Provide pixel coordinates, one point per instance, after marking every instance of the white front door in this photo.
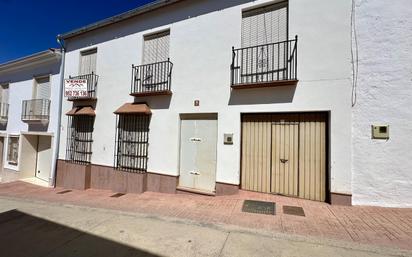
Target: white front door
(198, 142)
(44, 157)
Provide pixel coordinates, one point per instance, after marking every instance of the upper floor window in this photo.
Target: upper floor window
(156, 47)
(4, 93)
(264, 25)
(88, 62)
(13, 150)
(41, 88)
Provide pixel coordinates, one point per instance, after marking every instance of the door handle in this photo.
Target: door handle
(194, 172)
(283, 160)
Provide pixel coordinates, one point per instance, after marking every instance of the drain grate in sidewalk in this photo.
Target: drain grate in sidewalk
(64, 192)
(293, 210)
(260, 207)
(117, 195)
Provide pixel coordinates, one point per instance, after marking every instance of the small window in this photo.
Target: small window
(132, 141)
(4, 94)
(88, 62)
(13, 150)
(156, 47)
(42, 88)
(79, 139)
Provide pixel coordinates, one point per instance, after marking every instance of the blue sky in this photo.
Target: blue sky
(31, 26)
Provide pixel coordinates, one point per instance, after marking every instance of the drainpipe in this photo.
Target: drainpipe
(53, 177)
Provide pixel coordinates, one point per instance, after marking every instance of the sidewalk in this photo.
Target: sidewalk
(390, 227)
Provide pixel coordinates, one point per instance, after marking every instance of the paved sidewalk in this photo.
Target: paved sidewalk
(390, 227)
(45, 229)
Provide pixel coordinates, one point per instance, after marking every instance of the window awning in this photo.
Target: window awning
(83, 110)
(133, 108)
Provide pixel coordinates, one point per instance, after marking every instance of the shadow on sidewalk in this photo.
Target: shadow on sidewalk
(24, 235)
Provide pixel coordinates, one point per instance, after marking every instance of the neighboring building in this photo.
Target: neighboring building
(382, 168)
(212, 96)
(30, 98)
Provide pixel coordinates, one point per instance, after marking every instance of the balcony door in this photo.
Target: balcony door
(41, 92)
(4, 101)
(88, 62)
(264, 32)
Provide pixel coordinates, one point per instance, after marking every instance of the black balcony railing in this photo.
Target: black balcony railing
(154, 78)
(265, 63)
(92, 80)
(4, 111)
(36, 110)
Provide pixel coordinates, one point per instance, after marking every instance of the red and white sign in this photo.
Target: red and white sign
(75, 87)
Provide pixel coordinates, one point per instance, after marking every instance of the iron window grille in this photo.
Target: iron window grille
(36, 109)
(132, 142)
(79, 139)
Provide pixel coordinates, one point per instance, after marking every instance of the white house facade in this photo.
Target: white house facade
(30, 100)
(382, 162)
(212, 96)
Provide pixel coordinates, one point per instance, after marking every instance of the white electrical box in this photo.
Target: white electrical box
(380, 131)
(228, 139)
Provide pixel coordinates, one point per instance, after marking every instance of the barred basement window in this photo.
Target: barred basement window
(79, 139)
(132, 141)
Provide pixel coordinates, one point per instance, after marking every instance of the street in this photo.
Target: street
(39, 228)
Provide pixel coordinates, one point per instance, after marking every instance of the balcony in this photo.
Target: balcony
(268, 65)
(152, 79)
(4, 112)
(36, 110)
(92, 80)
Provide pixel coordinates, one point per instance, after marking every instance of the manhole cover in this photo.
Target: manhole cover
(117, 195)
(293, 210)
(259, 207)
(64, 192)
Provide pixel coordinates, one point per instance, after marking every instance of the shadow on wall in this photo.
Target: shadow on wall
(179, 11)
(26, 235)
(275, 95)
(155, 102)
(38, 127)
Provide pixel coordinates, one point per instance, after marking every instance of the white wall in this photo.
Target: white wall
(21, 83)
(382, 168)
(202, 34)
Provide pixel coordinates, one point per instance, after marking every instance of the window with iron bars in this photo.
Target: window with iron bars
(79, 139)
(132, 141)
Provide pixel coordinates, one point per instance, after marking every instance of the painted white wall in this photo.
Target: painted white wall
(21, 84)
(202, 34)
(382, 168)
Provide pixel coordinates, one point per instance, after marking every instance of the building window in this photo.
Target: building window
(42, 88)
(4, 93)
(132, 141)
(88, 62)
(13, 150)
(79, 139)
(4, 101)
(156, 47)
(264, 25)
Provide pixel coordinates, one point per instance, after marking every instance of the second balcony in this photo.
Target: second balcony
(92, 80)
(36, 110)
(152, 79)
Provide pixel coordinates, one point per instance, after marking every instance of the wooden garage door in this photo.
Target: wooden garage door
(285, 154)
